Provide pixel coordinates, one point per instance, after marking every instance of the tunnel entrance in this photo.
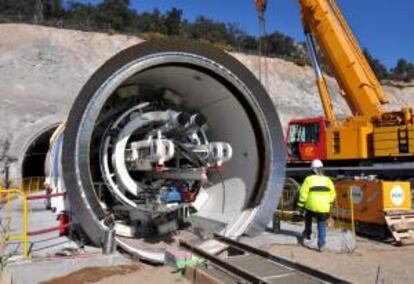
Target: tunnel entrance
(34, 158)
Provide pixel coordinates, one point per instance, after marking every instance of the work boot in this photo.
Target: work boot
(307, 242)
(304, 240)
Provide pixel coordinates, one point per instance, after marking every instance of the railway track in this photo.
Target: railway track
(241, 263)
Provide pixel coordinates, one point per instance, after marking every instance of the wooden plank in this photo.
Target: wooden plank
(400, 225)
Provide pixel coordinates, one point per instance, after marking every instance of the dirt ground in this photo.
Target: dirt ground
(371, 262)
(135, 273)
(157, 275)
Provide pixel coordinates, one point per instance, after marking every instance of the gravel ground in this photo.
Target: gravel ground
(157, 275)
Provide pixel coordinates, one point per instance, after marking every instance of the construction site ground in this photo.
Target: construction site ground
(358, 260)
(370, 262)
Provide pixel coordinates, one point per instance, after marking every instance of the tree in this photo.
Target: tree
(17, 9)
(403, 71)
(120, 16)
(249, 44)
(208, 30)
(173, 21)
(379, 69)
(53, 9)
(151, 22)
(81, 15)
(280, 45)
(237, 34)
(114, 14)
(38, 11)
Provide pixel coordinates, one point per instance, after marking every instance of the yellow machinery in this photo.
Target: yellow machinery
(371, 132)
(371, 135)
(378, 207)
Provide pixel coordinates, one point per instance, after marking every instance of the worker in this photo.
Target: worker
(315, 199)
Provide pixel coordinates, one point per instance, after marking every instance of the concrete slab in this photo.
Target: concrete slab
(37, 270)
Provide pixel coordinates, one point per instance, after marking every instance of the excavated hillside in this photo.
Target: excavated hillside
(42, 70)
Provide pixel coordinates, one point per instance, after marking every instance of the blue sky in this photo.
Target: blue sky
(386, 27)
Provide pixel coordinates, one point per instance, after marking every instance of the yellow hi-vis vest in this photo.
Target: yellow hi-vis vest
(317, 194)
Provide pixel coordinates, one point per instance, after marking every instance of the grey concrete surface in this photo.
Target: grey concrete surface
(337, 240)
(38, 218)
(37, 270)
(51, 255)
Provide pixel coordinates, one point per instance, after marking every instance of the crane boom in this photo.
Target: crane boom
(363, 92)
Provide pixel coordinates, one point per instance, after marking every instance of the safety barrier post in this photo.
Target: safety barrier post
(339, 218)
(25, 226)
(8, 214)
(24, 236)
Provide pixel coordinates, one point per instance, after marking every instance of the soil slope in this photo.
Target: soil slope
(42, 70)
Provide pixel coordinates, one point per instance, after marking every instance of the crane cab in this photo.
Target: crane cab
(306, 139)
(314, 138)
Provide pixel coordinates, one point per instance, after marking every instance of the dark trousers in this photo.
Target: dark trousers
(321, 219)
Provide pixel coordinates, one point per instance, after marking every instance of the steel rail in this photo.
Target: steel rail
(294, 265)
(238, 272)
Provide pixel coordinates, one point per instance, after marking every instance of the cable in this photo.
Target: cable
(263, 45)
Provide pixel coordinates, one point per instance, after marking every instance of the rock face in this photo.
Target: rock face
(42, 70)
(293, 88)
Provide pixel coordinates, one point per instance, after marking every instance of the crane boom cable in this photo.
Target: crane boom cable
(261, 12)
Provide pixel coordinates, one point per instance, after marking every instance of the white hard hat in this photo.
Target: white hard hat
(316, 164)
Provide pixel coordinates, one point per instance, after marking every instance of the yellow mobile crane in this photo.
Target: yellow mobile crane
(370, 140)
(371, 133)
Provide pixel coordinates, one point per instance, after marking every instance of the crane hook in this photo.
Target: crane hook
(261, 7)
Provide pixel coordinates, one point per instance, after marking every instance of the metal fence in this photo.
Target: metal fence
(14, 217)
